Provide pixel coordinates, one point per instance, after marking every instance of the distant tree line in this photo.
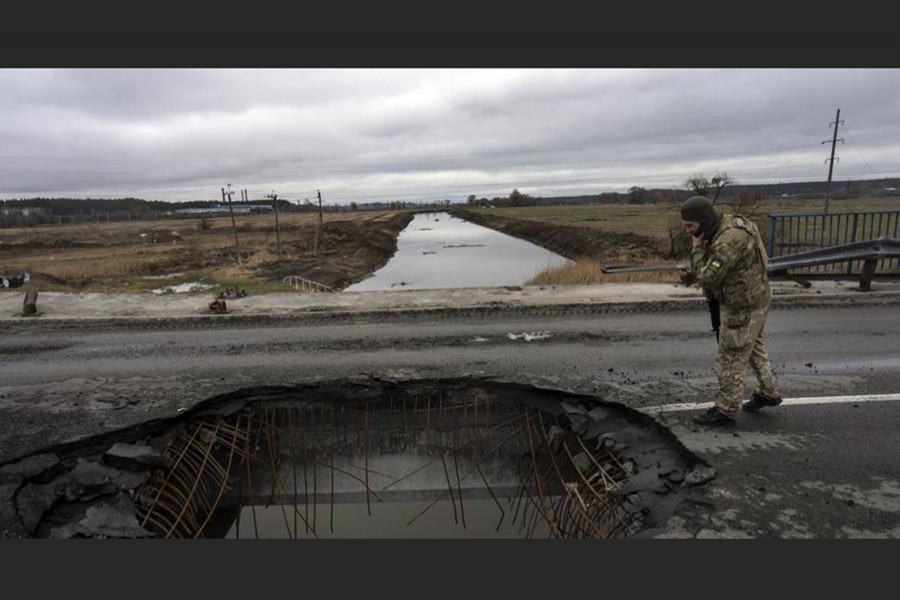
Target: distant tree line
(635, 195)
(91, 206)
(71, 210)
(838, 189)
(718, 186)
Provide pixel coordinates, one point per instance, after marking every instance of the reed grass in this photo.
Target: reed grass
(589, 272)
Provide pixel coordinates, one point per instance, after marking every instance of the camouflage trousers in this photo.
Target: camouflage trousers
(741, 342)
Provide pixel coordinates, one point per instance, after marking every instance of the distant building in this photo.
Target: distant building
(214, 209)
(251, 208)
(200, 212)
(24, 212)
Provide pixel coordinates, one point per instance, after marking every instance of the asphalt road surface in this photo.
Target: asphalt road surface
(823, 466)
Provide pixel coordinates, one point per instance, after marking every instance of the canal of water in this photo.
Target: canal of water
(438, 250)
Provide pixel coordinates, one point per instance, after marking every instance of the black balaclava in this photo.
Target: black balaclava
(700, 210)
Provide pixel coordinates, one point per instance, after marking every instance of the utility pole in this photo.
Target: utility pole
(834, 139)
(274, 198)
(237, 248)
(319, 222)
(320, 207)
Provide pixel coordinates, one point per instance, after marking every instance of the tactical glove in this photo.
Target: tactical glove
(688, 278)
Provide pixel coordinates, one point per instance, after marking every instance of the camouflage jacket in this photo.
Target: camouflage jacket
(732, 266)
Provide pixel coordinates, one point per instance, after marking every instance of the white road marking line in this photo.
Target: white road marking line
(785, 402)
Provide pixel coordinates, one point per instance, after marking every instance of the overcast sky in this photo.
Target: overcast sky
(432, 134)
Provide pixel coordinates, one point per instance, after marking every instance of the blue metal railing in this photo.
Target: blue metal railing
(795, 233)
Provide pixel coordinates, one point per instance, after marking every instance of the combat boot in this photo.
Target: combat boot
(759, 401)
(714, 416)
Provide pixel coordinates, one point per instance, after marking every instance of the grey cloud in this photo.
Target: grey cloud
(168, 134)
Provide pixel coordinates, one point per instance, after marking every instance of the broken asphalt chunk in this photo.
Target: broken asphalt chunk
(29, 468)
(135, 457)
(700, 475)
(113, 518)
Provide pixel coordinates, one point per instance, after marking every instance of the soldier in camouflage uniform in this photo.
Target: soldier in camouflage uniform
(729, 263)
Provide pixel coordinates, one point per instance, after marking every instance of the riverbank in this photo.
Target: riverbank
(573, 242)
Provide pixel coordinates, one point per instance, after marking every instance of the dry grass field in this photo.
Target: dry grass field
(146, 255)
(654, 220)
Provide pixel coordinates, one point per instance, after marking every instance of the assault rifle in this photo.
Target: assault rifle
(687, 278)
(715, 316)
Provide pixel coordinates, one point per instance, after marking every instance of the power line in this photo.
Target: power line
(857, 151)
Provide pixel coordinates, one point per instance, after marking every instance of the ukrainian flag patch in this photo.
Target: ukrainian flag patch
(716, 263)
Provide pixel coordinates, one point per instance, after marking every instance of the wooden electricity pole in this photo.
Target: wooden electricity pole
(319, 193)
(274, 198)
(319, 222)
(237, 248)
(834, 139)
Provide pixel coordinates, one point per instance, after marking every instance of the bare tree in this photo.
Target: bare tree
(748, 204)
(697, 184)
(702, 186)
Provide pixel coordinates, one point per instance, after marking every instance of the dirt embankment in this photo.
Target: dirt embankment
(573, 242)
(349, 251)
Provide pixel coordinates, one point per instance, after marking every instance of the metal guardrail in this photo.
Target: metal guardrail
(869, 253)
(871, 250)
(794, 233)
(306, 285)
